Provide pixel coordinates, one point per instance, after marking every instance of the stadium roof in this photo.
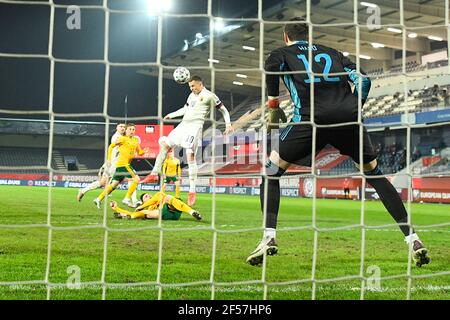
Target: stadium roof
(333, 26)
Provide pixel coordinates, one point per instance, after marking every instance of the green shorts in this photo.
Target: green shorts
(123, 172)
(169, 179)
(168, 214)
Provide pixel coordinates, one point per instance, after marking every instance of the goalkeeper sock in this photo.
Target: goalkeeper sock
(180, 206)
(107, 190)
(273, 194)
(391, 200)
(411, 238)
(131, 189)
(270, 232)
(273, 201)
(193, 169)
(91, 186)
(159, 160)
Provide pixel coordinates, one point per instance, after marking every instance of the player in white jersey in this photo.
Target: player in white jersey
(188, 133)
(108, 169)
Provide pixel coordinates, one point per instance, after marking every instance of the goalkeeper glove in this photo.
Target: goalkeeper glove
(276, 114)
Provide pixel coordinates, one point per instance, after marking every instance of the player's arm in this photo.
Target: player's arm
(140, 151)
(224, 111)
(111, 147)
(226, 116)
(355, 78)
(150, 202)
(164, 168)
(274, 63)
(179, 113)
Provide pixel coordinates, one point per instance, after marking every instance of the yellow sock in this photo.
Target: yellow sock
(163, 188)
(131, 189)
(137, 215)
(177, 191)
(105, 192)
(134, 215)
(180, 205)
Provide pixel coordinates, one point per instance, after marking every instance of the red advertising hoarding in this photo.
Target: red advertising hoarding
(149, 135)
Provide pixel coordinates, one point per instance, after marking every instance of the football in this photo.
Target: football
(181, 75)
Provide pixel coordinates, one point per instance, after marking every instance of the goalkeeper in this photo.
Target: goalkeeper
(171, 208)
(334, 103)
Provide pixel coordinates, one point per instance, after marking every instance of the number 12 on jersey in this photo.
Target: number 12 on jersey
(326, 71)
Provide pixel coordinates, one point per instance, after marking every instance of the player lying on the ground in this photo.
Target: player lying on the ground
(149, 209)
(128, 147)
(334, 103)
(172, 173)
(188, 133)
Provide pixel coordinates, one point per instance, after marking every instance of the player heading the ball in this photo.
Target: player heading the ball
(187, 134)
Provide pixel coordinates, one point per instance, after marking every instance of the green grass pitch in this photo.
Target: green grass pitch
(132, 255)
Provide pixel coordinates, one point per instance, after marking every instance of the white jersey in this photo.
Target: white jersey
(115, 151)
(197, 107)
(109, 171)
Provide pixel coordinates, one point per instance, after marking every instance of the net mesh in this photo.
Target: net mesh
(213, 228)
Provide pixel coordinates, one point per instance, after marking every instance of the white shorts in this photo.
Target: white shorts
(186, 136)
(107, 172)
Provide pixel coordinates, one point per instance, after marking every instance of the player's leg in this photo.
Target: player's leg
(120, 213)
(294, 142)
(136, 202)
(177, 188)
(165, 146)
(269, 193)
(165, 143)
(134, 183)
(348, 143)
(108, 189)
(190, 142)
(92, 186)
(394, 205)
(181, 206)
(193, 170)
(163, 187)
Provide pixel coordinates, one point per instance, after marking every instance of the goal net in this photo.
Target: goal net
(329, 249)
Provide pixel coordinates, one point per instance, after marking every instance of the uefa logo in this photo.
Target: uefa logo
(308, 187)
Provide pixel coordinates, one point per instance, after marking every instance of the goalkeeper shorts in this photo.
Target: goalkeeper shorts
(295, 142)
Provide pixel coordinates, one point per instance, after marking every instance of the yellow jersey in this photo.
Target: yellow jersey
(153, 203)
(171, 167)
(128, 147)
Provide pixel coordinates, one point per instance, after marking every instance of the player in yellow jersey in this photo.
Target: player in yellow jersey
(172, 172)
(128, 147)
(171, 208)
